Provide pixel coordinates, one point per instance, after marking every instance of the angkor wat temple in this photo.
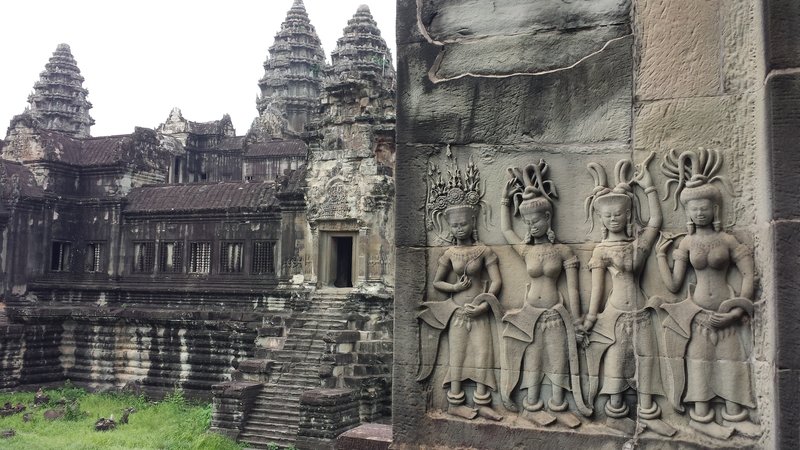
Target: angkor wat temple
(253, 269)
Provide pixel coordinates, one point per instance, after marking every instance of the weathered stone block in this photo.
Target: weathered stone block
(783, 21)
(787, 254)
(369, 436)
(784, 95)
(232, 403)
(589, 103)
(409, 219)
(788, 416)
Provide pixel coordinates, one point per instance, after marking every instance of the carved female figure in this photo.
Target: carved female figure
(468, 314)
(623, 342)
(540, 336)
(706, 329)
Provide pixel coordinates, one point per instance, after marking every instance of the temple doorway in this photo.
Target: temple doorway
(342, 261)
(337, 260)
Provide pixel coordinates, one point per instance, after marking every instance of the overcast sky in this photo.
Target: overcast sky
(142, 58)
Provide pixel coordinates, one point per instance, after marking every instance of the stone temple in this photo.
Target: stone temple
(255, 269)
(580, 230)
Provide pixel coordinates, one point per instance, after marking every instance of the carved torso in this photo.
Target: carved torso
(470, 261)
(624, 260)
(544, 263)
(711, 255)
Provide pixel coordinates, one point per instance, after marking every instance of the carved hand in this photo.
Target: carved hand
(588, 323)
(722, 320)
(664, 243)
(475, 310)
(512, 187)
(462, 284)
(642, 176)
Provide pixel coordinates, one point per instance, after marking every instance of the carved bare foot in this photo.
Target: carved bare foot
(744, 428)
(462, 411)
(622, 424)
(541, 418)
(509, 405)
(488, 413)
(658, 426)
(712, 429)
(569, 419)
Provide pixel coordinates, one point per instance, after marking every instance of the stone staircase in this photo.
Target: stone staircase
(275, 416)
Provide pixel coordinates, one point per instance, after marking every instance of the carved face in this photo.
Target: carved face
(461, 222)
(614, 215)
(700, 211)
(538, 223)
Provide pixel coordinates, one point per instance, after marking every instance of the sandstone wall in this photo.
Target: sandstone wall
(507, 83)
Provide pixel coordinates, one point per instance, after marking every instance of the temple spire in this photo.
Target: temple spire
(362, 54)
(292, 77)
(58, 101)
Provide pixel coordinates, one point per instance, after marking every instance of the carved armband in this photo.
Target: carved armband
(571, 263)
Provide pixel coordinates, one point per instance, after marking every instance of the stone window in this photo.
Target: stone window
(94, 257)
(231, 260)
(143, 256)
(60, 256)
(200, 257)
(264, 257)
(170, 257)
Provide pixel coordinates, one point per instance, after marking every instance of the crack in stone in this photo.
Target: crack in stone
(432, 73)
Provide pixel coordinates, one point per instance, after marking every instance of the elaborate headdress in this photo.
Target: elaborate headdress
(535, 193)
(462, 191)
(622, 193)
(693, 172)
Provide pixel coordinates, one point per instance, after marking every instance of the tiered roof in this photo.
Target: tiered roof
(58, 101)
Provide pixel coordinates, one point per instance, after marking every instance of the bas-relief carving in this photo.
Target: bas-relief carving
(540, 343)
(708, 333)
(622, 351)
(690, 353)
(470, 315)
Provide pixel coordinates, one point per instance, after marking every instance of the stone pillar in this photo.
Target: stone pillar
(362, 260)
(783, 129)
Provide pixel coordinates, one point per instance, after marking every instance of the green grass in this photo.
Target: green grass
(170, 424)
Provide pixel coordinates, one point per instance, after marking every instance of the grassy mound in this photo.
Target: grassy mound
(170, 424)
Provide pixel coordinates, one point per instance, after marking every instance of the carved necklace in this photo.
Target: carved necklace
(467, 256)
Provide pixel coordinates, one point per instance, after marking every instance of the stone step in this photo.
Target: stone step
(285, 409)
(259, 441)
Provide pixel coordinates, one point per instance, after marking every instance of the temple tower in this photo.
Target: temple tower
(361, 54)
(292, 77)
(59, 100)
(351, 160)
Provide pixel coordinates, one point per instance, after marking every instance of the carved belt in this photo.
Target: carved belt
(702, 325)
(550, 319)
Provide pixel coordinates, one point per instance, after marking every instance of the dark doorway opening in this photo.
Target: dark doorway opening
(342, 261)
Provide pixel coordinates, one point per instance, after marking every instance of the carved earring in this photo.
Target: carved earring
(716, 224)
(690, 227)
(605, 233)
(630, 229)
(551, 235)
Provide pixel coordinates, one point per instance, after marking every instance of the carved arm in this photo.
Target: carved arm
(598, 289)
